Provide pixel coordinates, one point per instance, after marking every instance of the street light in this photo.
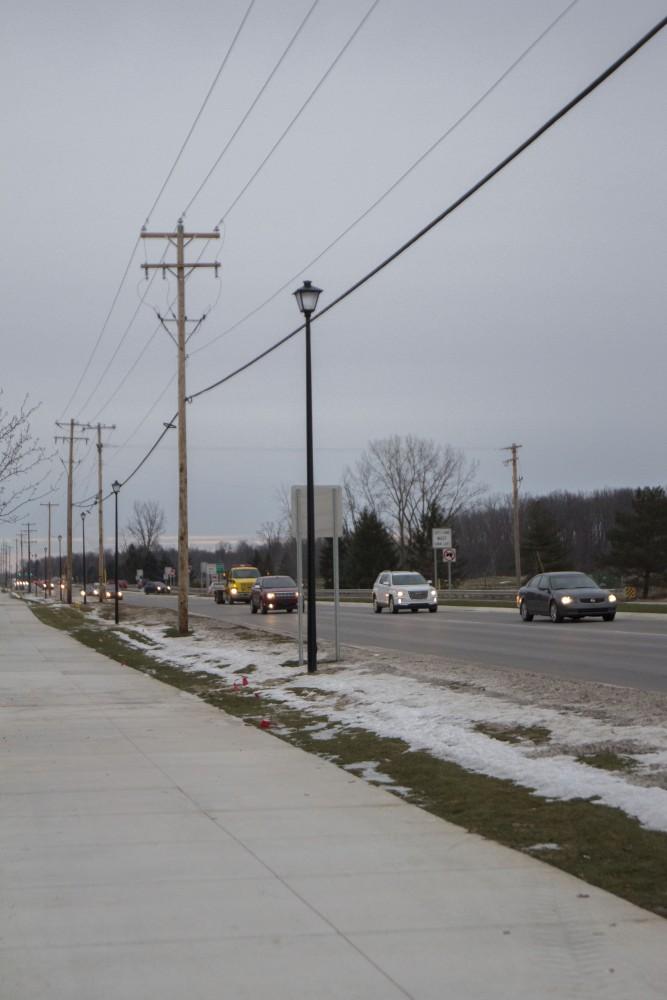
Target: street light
(116, 490)
(83, 532)
(60, 567)
(306, 299)
(46, 581)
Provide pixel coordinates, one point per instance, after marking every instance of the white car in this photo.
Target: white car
(400, 591)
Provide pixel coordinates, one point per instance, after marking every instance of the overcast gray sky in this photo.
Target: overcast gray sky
(535, 313)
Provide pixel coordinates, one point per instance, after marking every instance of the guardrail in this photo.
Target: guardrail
(458, 594)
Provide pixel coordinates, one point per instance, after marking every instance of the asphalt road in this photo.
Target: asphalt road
(632, 651)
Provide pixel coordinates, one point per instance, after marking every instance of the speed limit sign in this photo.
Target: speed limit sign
(449, 555)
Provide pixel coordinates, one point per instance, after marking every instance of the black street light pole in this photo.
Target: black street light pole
(83, 532)
(306, 298)
(60, 567)
(116, 490)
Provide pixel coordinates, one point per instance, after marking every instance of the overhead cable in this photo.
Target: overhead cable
(453, 206)
(426, 229)
(250, 109)
(420, 159)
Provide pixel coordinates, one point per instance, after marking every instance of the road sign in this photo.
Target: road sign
(442, 538)
(449, 555)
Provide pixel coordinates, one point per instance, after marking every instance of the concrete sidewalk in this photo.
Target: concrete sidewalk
(153, 848)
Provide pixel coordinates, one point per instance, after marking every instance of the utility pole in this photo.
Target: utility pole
(28, 526)
(70, 469)
(48, 563)
(180, 240)
(516, 479)
(100, 512)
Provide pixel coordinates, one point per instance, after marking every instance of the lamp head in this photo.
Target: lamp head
(115, 486)
(307, 296)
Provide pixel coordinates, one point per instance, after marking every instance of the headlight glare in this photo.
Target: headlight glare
(566, 600)
(612, 598)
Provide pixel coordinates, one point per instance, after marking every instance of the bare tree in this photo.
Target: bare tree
(146, 524)
(403, 479)
(20, 456)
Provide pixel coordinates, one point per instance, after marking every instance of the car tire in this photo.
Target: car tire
(554, 613)
(525, 613)
(433, 609)
(392, 607)
(377, 608)
(610, 617)
(253, 609)
(289, 610)
(264, 611)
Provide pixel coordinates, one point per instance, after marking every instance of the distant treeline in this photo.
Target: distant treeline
(579, 523)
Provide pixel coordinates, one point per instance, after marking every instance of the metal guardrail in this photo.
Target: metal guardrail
(459, 593)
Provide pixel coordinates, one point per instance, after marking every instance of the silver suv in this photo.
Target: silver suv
(402, 590)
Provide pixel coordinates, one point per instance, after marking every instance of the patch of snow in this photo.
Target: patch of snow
(428, 715)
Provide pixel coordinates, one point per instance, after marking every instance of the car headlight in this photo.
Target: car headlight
(434, 593)
(233, 590)
(271, 597)
(566, 600)
(399, 593)
(83, 593)
(612, 598)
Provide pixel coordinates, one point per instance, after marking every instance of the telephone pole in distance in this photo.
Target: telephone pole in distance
(180, 240)
(70, 467)
(516, 479)
(48, 561)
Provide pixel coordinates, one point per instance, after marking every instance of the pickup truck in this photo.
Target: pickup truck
(236, 585)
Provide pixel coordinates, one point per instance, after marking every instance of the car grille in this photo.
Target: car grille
(418, 595)
(592, 600)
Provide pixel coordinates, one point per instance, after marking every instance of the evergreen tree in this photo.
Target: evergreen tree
(542, 547)
(371, 549)
(639, 537)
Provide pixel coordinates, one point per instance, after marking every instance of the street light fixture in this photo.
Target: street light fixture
(306, 299)
(83, 533)
(115, 486)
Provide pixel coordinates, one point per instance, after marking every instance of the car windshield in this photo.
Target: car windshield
(276, 582)
(407, 579)
(571, 581)
(245, 574)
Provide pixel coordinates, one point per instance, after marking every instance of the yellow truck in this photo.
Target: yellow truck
(236, 585)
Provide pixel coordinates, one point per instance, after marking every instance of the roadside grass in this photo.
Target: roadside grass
(514, 734)
(607, 760)
(598, 844)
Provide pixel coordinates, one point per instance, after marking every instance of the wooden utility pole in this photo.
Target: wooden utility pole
(70, 477)
(180, 240)
(48, 561)
(101, 575)
(516, 479)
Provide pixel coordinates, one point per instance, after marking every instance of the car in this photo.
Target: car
(402, 590)
(123, 584)
(156, 587)
(565, 594)
(274, 593)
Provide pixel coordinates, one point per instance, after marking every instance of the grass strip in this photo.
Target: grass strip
(597, 843)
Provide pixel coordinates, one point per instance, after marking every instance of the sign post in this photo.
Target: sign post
(449, 556)
(441, 539)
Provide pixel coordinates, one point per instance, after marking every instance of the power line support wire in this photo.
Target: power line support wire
(180, 240)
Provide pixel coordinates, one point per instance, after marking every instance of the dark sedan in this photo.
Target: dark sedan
(565, 595)
(274, 593)
(156, 587)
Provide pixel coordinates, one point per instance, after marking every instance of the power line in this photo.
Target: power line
(426, 229)
(201, 110)
(152, 209)
(454, 205)
(250, 109)
(303, 107)
(399, 180)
